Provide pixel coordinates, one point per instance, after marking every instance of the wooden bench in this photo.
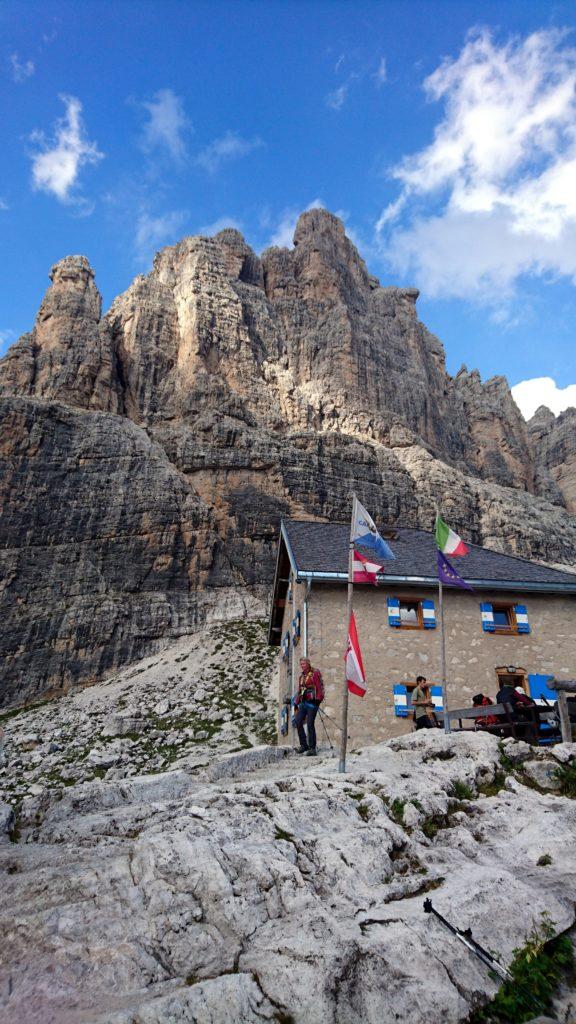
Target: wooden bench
(525, 728)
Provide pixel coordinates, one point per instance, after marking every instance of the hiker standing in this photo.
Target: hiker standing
(423, 704)
(307, 701)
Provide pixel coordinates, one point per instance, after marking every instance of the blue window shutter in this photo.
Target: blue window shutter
(393, 611)
(428, 614)
(539, 688)
(436, 695)
(295, 629)
(285, 646)
(400, 702)
(487, 617)
(522, 618)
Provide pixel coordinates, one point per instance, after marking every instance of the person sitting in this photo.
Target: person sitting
(506, 695)
(484, 721)
(423, 705)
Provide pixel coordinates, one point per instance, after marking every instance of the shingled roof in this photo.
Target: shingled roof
(321, 550)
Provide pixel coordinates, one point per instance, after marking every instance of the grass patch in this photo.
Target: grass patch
(364, 811)
(544, 860)
(461, 791)
(279, 833)
(505, 761)
(397, 811)
(537, 969)
(565, 777)
(494, 787)
(433, 823)
(6, 715)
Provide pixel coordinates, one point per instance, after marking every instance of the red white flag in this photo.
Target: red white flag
(365, 571)
(355, 676)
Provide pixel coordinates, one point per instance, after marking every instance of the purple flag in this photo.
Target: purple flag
(448, 575)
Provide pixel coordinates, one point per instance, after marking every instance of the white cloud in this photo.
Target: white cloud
(21, 69)
(57, 164)
(229, 146)
(283, 235)
(337, 98)
(218, 225)
(529, 395)
(381, 73)
(4, 205)
(154, 232)
(167, 126)
(492, 197)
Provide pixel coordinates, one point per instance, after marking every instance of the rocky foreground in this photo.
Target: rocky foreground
(262, 887)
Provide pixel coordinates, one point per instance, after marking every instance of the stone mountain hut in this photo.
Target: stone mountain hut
(517, 626)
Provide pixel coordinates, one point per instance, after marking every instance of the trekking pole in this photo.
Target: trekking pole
(334, 723)
(326, 731)
(466, 938)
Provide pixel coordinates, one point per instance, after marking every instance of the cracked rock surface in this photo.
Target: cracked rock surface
(291, 893)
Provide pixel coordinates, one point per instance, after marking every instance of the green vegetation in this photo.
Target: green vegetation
(461, 791)
(21, 710)
(397, 811)
(494, 787)
(364, 811)
(432, 825)
(537, 969)
(505, 761)
(565, 777)
(279, 833)
(544, 860)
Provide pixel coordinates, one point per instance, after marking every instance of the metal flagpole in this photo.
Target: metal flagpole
(443, 656)
(344, 737)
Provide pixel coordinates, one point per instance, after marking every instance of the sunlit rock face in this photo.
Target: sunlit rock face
(149, 454)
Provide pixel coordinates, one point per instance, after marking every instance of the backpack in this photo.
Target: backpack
(320, 688)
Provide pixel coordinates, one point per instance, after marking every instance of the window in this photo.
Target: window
(504, 618)
(411, 613)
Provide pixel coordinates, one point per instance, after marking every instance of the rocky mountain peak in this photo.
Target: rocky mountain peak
(243, 389)
(543, 417)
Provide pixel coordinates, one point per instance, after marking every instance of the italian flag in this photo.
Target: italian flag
(448, 541)
(355, 675)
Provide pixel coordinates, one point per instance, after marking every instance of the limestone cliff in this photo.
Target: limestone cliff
(149, 454)
(554, 444)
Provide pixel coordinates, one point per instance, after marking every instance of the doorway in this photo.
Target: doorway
(512, 675)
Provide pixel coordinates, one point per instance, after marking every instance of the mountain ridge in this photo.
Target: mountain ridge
(151, 451)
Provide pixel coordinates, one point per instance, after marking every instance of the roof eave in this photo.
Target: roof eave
(432, 581)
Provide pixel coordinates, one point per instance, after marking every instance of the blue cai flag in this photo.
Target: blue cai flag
(365, 535)
(448, 575)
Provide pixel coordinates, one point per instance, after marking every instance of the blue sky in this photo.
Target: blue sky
(444, 133)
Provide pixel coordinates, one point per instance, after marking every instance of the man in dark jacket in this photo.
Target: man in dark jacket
(307, 701)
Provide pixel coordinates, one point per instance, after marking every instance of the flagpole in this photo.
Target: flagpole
(443, 649)
(344, 733)
(443, 657)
